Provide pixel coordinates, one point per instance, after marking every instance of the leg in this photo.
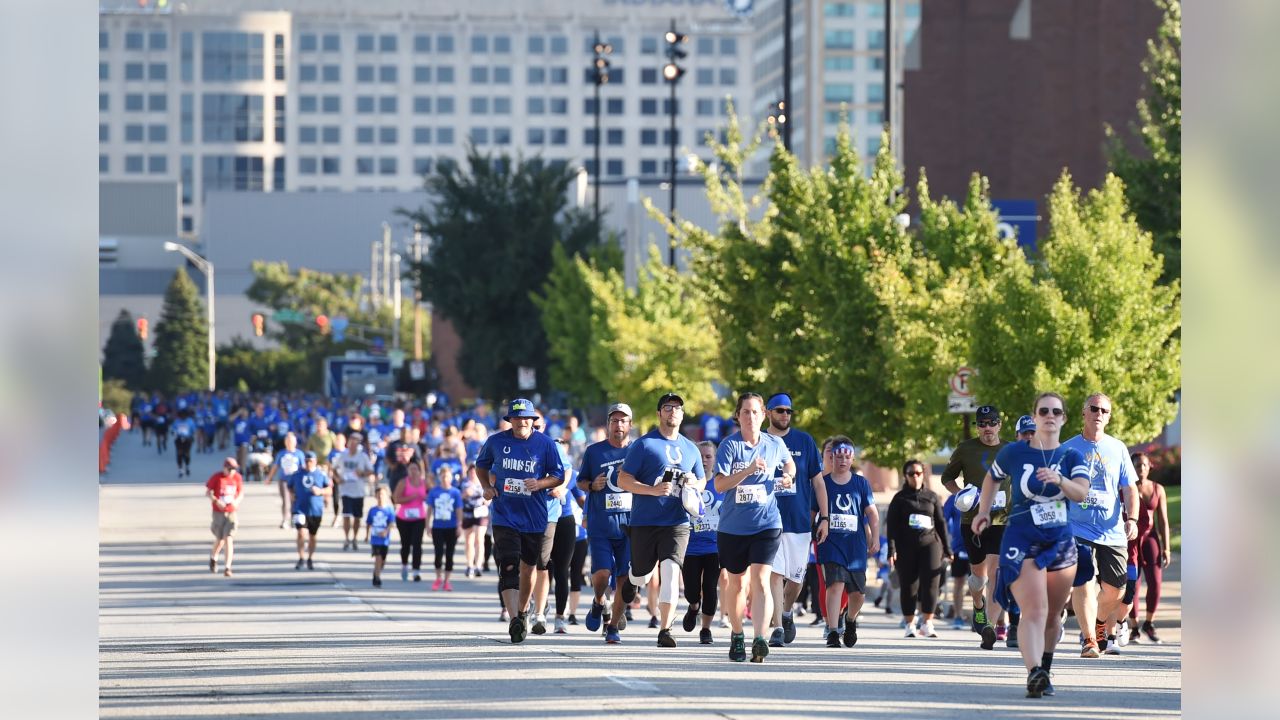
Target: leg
(669, 591)
(231, 551)
(733, 602)
(450, 549)
(930, 569)
(302, 541)
(1153, 574)
(777, 591)
(908, 581)
(1031, 592)
(710, 584)
(761, 598)
(417, 529)
(402, 529)
(835, 597)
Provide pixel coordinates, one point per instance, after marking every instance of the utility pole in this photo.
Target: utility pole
(888, 71)
(417, 293)
(375, 250)
(396, 297)
(786, 74)
(386, 260)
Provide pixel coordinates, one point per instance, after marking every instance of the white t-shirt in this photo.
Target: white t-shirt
(353, 469)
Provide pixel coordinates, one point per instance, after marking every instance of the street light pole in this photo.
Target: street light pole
(205, 267)
(671, 72)
(786, 73)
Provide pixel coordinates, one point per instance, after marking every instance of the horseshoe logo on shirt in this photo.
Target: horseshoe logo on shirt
(506, 449)
(674, 455)
(844, 503)
(611, 472)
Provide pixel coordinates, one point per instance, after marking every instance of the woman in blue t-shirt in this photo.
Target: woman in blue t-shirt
(1038, 553)
(701, 569)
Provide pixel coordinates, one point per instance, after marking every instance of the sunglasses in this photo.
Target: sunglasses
(1099, 410)
(1044, 411)
(782, 411)
(988, 423)
(915, 473)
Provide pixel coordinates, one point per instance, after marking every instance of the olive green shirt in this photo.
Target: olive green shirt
(321, 444)
(972, 460)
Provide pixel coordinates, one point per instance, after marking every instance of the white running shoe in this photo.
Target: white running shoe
(1122, 633)
(562, 628)
(926, 630)
(911, 631)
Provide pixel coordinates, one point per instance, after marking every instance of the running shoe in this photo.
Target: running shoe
(958, 623)
(817, 620)
(1122, 633)
(502, 615)
(776, 638)
(518, 629)
(226, 572)
(561, 627)
(404, 573)
(354, 545)
(573, 619)
(594, 616)
(926, 630)
(1090, 650)
(737, 647)
(911, 631)
(690, 618)
(902, 623)
(622, 621)
(1012, 639)
(1149, 629)
(988, 637)
(653, 623)
(850, 632)
(436, 585)
(759, 650)
(833, 639)
(377, 581)
(1037, 679)
(629, 616)
(1112, 647)
(704, 637)
(310, 564)
(1002, 632)
(448, 586)
(611, 635)
(665, 639)
(723, 622)
(979, 620)
(213, 565)
(1100, 635)
(1135, 635)
(1048, 688)
(788, 629)
(539, 624)
(417, 577)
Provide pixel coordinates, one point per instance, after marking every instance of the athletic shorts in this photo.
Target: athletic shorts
(224, 525)
(982, 546)
(739, 552)
(353, 507)
(468, 523)
(511, 545)
(1016, 547)
(1105, 562)
(651, 544)
(854, 580)
(959, 568)
(379, 551)
(793, 556)
(310, 522)
(611, 555)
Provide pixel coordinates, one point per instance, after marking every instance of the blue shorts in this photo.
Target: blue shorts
(1020, 544)
(611, 555)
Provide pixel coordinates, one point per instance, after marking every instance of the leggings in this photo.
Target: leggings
(411, 541)
(562, 549)
(445, 541)
(702, 581)
(488, 546)
(919, 571)
(576, 577)
(815, 589)
(182, 446)
(1152, 573)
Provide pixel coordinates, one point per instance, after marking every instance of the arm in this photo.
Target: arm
(482, 474)
(726, 482)
(892, 522)
(628, 482)
(217, 502)
(822, 519)
(951, 472)
(872, 515)
(1163, 531)
(458, 512)
(940, 522)
(1130, 498)
(983, 518)
(397, 495)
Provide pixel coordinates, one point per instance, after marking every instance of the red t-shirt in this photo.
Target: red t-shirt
(226, 488)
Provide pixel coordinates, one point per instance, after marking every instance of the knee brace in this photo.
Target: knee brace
(640, 581)
(977, 584)
(669, 582)
(509, 577)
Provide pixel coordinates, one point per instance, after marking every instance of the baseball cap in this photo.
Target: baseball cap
(1026, 423)
(780, 400)
(231, 463)
(670, 397)
(988, 412)
(309, 455)
(620, 407)
(520, 408)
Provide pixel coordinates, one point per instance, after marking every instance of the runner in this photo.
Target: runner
(517, 468)
(355, 469)
(444, 514)
(656, 467)
(1150, 550)
(854, 520)
(309, 489)
(750, 533)
(225, 489)
(288, 462)
(972, 459)
(1103, 524)
(702, 574)
(918, 547)
(568, 522)
(795, 501)
(1037, 551)
(411, 497)
(378, 532)
(184, 436)
(339, 449)
(608, 514)
(475, 521)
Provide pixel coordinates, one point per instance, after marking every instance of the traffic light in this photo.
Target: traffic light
(142, 328)
(671, 72)
(603, 50)
(322, 322)
(258, 322)
(777, 117)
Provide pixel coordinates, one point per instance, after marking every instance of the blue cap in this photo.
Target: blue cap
(520, 408)
(310, 455)
(779, 400)
(1026, 423)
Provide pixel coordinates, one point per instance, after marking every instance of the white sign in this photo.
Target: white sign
(526, 378)
(397, 358)
(961, 404)
(418, 370)
(960, 394)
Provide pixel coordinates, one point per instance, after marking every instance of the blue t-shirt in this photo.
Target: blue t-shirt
(952, 515)
(259, 427)
(702, 536)
(750, 507)
(647, 458)
(608, 509)
(846, 542)
(289, 463)
(380, 519)
(444, 506)
(510, 461)
(240, 430)
(184, 428)
(1040, 511)
(303, 500)
(796, 503)
(454, 463)
(1100, 518)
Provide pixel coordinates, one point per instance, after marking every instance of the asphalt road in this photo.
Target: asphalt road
(177, 641)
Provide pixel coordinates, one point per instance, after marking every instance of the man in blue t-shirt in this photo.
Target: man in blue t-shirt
(608, 517)
(1103, 526)
(517, 469)
(308, 487)
(288, 462)
(796, 502)
(657, 466)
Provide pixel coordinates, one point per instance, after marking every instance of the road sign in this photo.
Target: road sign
(526, 378)
(959, 404)
(397, 358)
(1017, 218)
(960, 395)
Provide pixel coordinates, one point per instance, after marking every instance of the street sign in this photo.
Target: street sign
(1017, 218)
(418, 370)
(396, 357)
(526, 378)
(959, 394)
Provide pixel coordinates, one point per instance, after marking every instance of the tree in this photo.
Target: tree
(493, 227)
(567, 303)
(122, 357)
(181, 363)
(280, 369)
(1153, 182)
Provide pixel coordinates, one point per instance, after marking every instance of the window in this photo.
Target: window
(877, 63)
(728, 76)
(308, 73)
(648, 106)
(560, 76)
(388, 135)
(422, 74)
(134, 71)
(502, 105)
(186, 179)
(187, 117)
(837, 63)
(331, 42)
(479, 106)
(444, 105)
(502, 43)
(364, 135)
(536, 136)
(231, 172)
(133, 102)
(705, 76)
(157, 102)
(875, 92)
(648, 45)
(648, 167)
(231, 56)
(364, 43)
(422, 166)
(875, 10)
(613, 167)
(502, 75)
(133, 41)
(838, 9)
(133, 133)
(331, 134)
(614, 106)
(104, 132)
(157, 133)
(307, 134)
(705, 107)
(279, 118)
(706, 45)
(537, 45)
(364, 166)
(833, 117)
(666, 107)
(331, 73)
(364, 73)
(444, 74)
(188, 224)
(479, 43)
(648, 76)
(537, 75)
(838, 92)
(421, 105)
(613, 136)
(133, 164)
(187, 56)
(873, 146)
(157, 164)
(839, 39)
(331, 104)
(387, 43)
(480, 74)
(559, 136)
(307, 42)
(422, 136)
(667, 139)
(388, 74)
(104, 101)
(617, 76)
(104, 71)
(502, 136)
(279, 57)
(158, 41)
(875, 39)
(875, 117)
(559, 45)
(588, 106)
(364, 104)
(306, 166)
(277, 174)
(480, 136)
(307, 103)
(229, 117)
(588, 136)
(728, 46)
(444, 136)
(724, 106)
(104, 40)
(536, 106)
(444, 43)
(648, 136)
(158, 71)
(330, 165)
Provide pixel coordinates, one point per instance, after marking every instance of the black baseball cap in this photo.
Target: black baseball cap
(988, 412)
(670, 397)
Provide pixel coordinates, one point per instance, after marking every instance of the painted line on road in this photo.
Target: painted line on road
(634, 684)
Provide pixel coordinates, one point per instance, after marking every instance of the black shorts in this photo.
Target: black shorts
(379, 551)
(1107, 563)
(312, 523)
(854, 580)
(979, 548)
(739, 552)
(353, 507)
(651, 544)
(468, 523)
(511, 545)
(959, 568)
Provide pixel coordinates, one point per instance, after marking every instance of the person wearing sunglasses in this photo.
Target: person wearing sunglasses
(918, 547)
(1102, 530)
(972, 459)
(854, 534)
(1037, 551)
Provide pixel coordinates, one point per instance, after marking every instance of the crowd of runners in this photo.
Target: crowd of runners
(750, 521)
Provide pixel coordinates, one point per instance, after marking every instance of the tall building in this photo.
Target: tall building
(347, 95)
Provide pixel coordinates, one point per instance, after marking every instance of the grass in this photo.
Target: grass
(1173, 494)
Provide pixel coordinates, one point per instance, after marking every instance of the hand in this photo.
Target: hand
(1131, 529)
(980, 522)
(820, 534)
(1048, 476)
(219, 504)
(758, 465)
(1165, 557)
(785, 481)
(532, 485)
(490, 493)
(316, 491)
(873, 546)
(599, 483)
(662, 489)
(557, 491)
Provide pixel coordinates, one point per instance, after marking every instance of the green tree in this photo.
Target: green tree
(1091, 316)
(181, 363)
(240, 364)
(566, 303)
(493, 227)
(1153, 181)
(122, 357)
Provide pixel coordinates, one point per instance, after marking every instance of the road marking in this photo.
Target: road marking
(634, 684)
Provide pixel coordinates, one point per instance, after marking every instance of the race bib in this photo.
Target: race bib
(749, 494)
(998, 503)
(916, 521)
(841, 522)
(481, 511)
(706, 523)
(1049, 513)
(412, 513)
(262, 433)
(513, 486)
(1099, 498)
(618, 502)
(228, 499)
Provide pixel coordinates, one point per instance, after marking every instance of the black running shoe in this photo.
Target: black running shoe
(1149, 628)
(653, 623)
(833, 639)
(704, 637)
(1037, 680)
(518, 629)
(850, 632)
(310, 565)
(1048, 689)
(788, 629)
(301, 564)
(573, 619)
(690, 618)
(775, 638)
(988, 637)
(628, 615)
(377, 581)
(737, 647)
(759, 650)
(665, 639)
(1011, 640)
